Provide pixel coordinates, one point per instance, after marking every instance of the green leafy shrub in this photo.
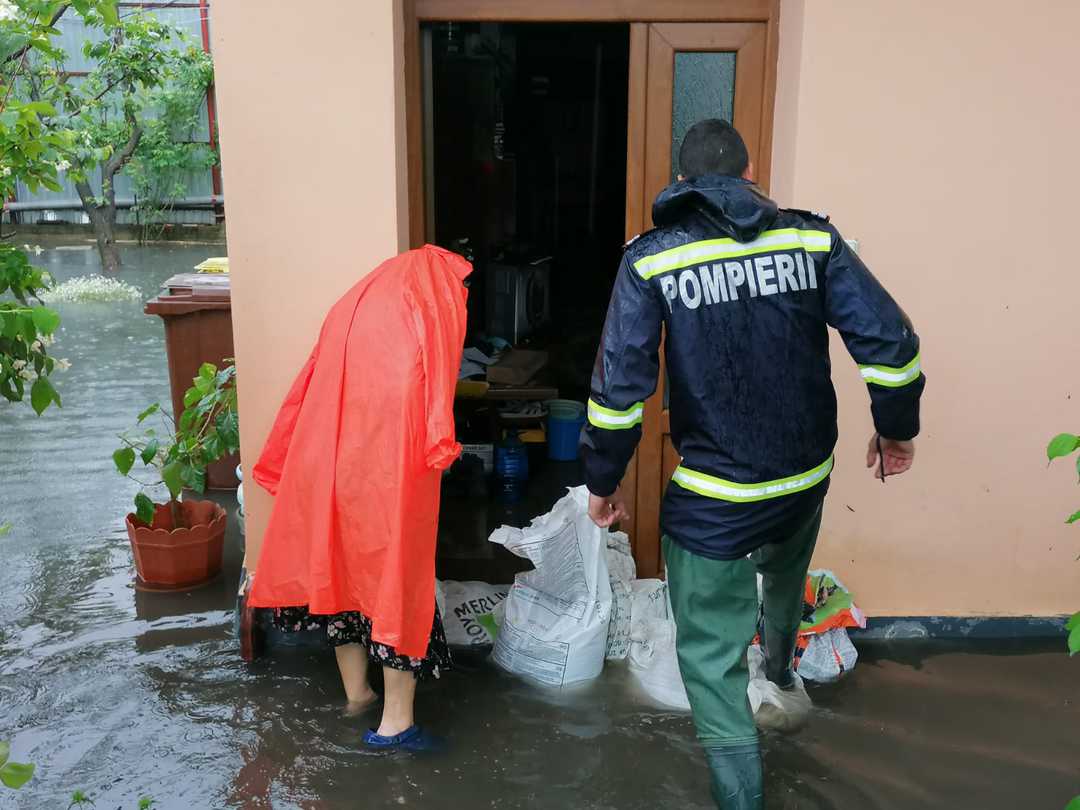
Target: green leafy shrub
(26, 332)
(1062, 446)
(207, 431)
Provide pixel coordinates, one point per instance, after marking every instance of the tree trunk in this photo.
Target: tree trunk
(102, 212)
(103, 219)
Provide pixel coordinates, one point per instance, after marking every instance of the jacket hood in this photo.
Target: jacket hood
(736, 206)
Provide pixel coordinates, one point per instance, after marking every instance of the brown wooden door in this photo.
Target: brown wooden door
(681, 73)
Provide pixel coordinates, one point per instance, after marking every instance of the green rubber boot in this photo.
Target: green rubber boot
(736, 776)
(779, 649)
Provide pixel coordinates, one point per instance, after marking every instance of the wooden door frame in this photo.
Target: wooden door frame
(415, 12)
(640, 14)
(657, 458)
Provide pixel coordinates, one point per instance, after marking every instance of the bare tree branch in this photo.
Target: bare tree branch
(120, 159)
(86, 103)
(86, 194)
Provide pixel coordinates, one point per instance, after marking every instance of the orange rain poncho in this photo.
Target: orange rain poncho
(356, 453)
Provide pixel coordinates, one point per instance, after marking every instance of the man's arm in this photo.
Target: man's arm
(880, 338)
(623, 378)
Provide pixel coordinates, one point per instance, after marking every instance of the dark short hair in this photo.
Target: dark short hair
(713, 146)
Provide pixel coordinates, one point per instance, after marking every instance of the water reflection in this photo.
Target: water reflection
(122, 693)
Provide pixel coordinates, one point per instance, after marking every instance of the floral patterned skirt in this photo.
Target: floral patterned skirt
(351, 627)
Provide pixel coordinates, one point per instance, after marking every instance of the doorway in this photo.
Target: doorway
(525, 160)
(539, 134)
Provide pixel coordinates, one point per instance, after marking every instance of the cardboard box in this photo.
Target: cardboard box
(484, 452)
(517, 367)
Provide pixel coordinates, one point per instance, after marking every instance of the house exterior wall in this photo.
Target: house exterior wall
(312, 139)
(938, 135)
(942, 137)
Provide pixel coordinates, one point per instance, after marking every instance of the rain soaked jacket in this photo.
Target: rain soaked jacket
(745, 292)
(355, 455)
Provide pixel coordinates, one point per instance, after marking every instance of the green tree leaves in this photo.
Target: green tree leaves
(16, 774)
(207, 431)
(149, 412)
(149, 453)
(45, 320)
(124, 459)
(13, 774)
(42, 395)
(26, 329)
(1062, 445)
(1065, 444)
(108, 13)
(172, 475)
(1073, 628)
(144, 508)
(146, 79)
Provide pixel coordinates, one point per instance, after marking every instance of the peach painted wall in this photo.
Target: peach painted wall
(943, 137)
(312, 140)
(939, 135)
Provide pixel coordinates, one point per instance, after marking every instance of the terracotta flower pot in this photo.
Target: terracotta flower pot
(167, 558)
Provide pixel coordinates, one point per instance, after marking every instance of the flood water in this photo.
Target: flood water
(123, 694)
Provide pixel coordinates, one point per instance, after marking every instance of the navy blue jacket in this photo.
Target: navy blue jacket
(744, 292)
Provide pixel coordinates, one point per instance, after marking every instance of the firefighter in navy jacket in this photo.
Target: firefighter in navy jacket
(742, 293)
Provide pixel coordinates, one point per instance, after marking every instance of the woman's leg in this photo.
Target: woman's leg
(352, 661)
(400, 689)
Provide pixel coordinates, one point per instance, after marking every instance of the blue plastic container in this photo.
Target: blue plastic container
(565, 420)
(511, 469)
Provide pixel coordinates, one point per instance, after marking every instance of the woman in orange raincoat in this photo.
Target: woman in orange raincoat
(354, 460)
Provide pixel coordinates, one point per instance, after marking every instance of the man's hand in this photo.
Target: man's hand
(607, 511)
(896, 456)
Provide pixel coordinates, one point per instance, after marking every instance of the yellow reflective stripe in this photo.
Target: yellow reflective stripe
(611, 419)
(713, 249)
(893, 377)
(712, 487)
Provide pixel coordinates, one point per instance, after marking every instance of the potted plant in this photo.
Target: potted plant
(178, 544)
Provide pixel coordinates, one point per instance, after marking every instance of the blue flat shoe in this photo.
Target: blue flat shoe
(414, 739)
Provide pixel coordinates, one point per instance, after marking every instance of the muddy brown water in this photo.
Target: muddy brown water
(123, 694)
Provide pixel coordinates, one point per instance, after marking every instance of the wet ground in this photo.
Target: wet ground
(123, 694)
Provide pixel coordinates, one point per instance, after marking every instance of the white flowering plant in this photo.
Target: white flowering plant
(91, 289)
(26, 332)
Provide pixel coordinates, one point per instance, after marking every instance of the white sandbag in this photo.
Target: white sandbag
(620, 558)
(649, 600)
(775, 709)
(655, 664)
(621, 573)
(828, 656)
(471, 611)
(653, 661)
(760, 690)
(555, 622)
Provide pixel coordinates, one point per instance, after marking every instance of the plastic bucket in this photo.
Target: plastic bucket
(565, 418)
